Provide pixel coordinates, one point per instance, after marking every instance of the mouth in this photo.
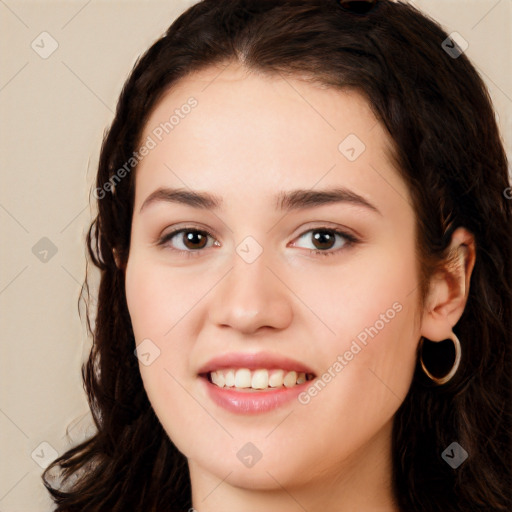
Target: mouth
(254, 383)
(261, 379)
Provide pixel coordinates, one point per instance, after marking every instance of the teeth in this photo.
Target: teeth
(276, 379)
(218, 379)
(230, 378)
(259, 379)
(244, 378)
(290, 379)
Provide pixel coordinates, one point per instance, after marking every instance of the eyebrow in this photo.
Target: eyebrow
(201, 200)
(284, 201)
(300, 199)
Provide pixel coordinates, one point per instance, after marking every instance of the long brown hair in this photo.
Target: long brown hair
(449, 152)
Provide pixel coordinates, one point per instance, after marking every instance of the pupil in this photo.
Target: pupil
(195, 238)
(324, 238)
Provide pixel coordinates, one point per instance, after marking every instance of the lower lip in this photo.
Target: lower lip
(252, 402)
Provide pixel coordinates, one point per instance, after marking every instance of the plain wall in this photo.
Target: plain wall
(54, 111)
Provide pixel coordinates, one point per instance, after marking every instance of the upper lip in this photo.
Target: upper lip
(253, 361)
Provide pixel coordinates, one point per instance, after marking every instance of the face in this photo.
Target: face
(291, 282)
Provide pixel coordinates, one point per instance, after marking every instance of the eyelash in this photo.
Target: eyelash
(350, 240)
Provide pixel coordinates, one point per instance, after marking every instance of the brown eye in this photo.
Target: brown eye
(194, 239)
(187, 240)
(323, 239)
(327, 241)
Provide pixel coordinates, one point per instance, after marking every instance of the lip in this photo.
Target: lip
(253, 362)
(254, 401)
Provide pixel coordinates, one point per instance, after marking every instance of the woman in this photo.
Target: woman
(235, 367)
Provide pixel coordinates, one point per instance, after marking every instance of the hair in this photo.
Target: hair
(447, 149)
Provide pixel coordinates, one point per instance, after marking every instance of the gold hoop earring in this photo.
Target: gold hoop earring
(456, 362)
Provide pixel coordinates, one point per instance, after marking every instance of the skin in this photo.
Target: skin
(249, 137)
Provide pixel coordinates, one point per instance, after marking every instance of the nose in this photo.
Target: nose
(251, 298)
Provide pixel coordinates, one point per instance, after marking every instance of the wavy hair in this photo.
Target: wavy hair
(448, 150)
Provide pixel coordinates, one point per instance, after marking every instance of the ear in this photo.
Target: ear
(449, 289)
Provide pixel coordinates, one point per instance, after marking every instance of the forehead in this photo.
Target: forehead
(254, 132)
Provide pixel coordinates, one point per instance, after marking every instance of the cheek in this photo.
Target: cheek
(367, 337)
(158, 303)
(365, 298)
(144, 299)
(158, 299)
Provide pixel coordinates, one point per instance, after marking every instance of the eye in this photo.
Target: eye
(187, 240)
(328, 241)
(190, 241)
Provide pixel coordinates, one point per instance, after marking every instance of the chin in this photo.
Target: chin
(275, 468)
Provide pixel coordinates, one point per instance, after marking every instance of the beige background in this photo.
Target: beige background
(54, 111)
